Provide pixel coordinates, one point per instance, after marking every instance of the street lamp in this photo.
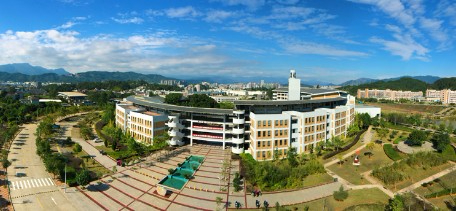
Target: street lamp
(65, 179)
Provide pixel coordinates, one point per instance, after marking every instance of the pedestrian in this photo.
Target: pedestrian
(257, 203)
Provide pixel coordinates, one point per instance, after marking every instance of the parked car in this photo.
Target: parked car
(97, 140)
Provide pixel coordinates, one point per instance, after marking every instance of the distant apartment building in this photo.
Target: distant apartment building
(220, 99)
(389, 94)
(75, 98)
(446, 96)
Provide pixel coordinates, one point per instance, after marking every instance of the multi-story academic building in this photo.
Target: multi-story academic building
(389, 94)
(259, 127)
(445, 96)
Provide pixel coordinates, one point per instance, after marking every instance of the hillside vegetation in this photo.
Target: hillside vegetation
(445, 83)
(405, 83)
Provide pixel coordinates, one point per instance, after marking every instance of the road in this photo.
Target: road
(36, 189)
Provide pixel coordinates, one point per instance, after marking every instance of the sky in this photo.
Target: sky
(325, 40)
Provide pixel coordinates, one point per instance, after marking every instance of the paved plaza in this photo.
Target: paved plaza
(135, 187)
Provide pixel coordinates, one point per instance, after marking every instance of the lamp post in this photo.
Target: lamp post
(65, 179)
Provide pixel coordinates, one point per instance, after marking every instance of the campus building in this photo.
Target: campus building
(446, 96)
(389, 94)
(259, 127)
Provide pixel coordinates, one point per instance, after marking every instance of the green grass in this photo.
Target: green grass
(447, 180)
(391, 152)
(92, 165)
(317, 179)
(417, 174)
(352, 173)
(355, 197)
(398, 127)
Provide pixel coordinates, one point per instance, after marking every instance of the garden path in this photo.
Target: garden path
(428, 179)
(366, 139)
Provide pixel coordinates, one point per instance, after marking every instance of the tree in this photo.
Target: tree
(337, 142)
(448, 153)
(173, 98)
(5, 163)
(353, 129)
(416, 138)
(341, 194)
(440, 141)
(237, 182)
(382, 133)
(77, 148)
(396, 204)
(370, 146)
(218, 201)
(340, 158)
(114, 145)
(83, 177)
(291, 156)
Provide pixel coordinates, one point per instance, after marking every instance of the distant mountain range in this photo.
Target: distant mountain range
(428, 79)
(27, 69)
(26, 72)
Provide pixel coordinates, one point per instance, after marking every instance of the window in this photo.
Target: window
(285, 142)
(280, 141)
(277, 123)
(259, 124)
(259, 144)
(264, 154)
(281, 132)
(276, 133)
(258, 154)
(259, 133)
(286, 122)
(269, 122)
(264, 133)
(281, 122)
(269, 133)
(263, 143)
(264, 123)
(275, 142)
(269, 143)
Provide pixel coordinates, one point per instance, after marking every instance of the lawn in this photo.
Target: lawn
(355, 197)
(417, 174)
(317, 179)
(92, 165)
(446, 180)
(352, 173)
(408, 108)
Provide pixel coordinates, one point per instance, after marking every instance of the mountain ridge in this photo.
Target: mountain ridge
(28, 69)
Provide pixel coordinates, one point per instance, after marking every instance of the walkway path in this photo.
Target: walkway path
(428, 179)
(366, 139)
(87, 147)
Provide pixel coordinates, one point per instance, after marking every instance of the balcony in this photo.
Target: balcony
(238, 131)
(237, 150)
(235, 140)
(238, 121)
(174, 133)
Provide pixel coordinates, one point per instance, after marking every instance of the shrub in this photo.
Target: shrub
(77, 148)
(341, 194)
(391, 152)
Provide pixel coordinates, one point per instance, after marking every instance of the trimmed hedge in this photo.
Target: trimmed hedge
(358, 136)
(391, 152)
(441, 193)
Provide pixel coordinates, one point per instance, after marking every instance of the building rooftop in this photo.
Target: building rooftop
(148, 101)
(129, 107)
(285, 102)
(311, 91)
(73, 94)
(151, 113)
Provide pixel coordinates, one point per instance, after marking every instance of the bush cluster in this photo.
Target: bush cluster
(391, 152)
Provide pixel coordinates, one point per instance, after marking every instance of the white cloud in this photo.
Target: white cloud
(302, 47)
(134, 20)
(182, 12)
(217, 16)
(404, 46)
(394, 8)
(290, 12)
(434, 27)
(155, 52)
(127, 18)
(447, 9)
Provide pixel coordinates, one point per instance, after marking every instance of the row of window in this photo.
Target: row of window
(268, 154)
(277, 143)
(268, 123)
(267, 133)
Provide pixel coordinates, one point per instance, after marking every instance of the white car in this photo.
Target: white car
(97, 140)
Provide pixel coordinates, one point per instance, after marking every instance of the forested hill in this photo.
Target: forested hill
(82, 77)
(445, 83)
(405, 84)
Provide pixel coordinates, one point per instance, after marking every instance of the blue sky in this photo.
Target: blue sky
(327, 40)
